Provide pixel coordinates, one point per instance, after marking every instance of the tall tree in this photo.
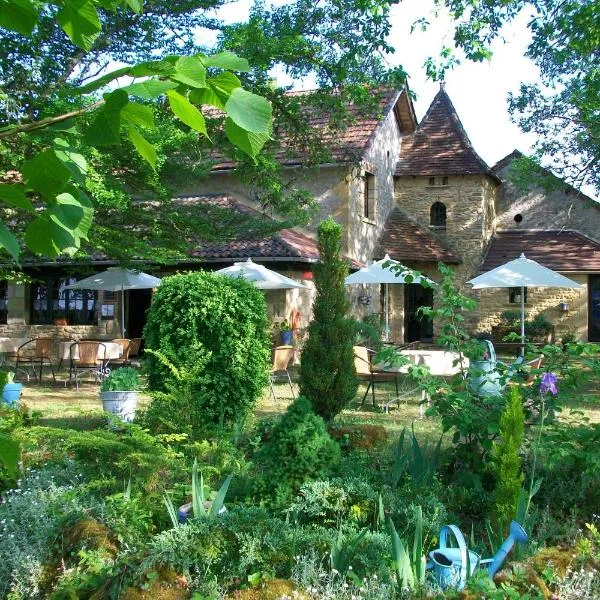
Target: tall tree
(327, 374)
(564, 109)
(48, 59)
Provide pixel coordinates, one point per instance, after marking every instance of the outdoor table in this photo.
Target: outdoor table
(440, 362)
(10, 346)
(113, 350)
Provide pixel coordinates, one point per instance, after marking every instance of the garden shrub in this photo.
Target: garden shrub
(299, 450)
(208, 336)
(506, 458)
(327, 375)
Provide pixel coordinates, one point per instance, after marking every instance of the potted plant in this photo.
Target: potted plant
(11, 392)
(119, 392)
(285, 333)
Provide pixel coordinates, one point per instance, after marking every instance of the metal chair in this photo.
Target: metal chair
(87, 356)
(126, 347)
(282, 356)
(33, 353)
(367, 372)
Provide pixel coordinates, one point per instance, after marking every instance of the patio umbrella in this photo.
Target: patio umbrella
(260, 276)
(376, 273)
(115, 279)
(522, 272)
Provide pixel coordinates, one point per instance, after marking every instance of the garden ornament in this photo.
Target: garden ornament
(452, 567)
(484, 377)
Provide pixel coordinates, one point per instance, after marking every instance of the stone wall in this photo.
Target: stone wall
(492, 303)
(380, 160)
(557, 210)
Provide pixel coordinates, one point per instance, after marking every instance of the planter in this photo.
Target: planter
(287, 337)
(12, 393)
(499, 332)
(121, 404)
(60, 322)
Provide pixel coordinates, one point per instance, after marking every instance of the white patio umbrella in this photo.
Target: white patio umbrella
(260, 276)
(115, 279)
(522, 272)
(377, 273)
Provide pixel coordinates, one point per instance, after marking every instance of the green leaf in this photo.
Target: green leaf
(9, 453)
(18, 15)
(143, 146)
(251, 112)
(47, 238)
(102, 81)
(73, 211)
(105, 129)
(227, 60)
(138, 114)
(9, 242)
(136, 5)
(187, 112)
(46, 174)
(79, 20)
(250, 143)
(150, 89)
(218, 91)
(198, 509)
(166, 66)
(219, 500)
(72, 159)
(15, 196)
(191, 71)
(60, 228)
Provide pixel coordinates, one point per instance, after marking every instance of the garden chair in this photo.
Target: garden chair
(367, 372)
(87, 356)
(282, 357)
(33, 353)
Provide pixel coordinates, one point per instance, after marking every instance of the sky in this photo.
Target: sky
(478, 91)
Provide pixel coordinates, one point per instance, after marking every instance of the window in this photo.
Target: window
(444, 181)
(50, 301)
(369, 196)
(3, 302)
(514, 295)
(437, 215)
(432, 181)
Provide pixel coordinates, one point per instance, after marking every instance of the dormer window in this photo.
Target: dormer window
(437, 215)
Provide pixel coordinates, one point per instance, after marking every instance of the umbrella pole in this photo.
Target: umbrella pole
(387, 313)
(123, 311)
(522, 321)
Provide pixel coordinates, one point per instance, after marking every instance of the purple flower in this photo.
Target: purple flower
(548, 384)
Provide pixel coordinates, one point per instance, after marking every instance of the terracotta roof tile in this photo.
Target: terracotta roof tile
(440, 145)
(406, 241)
(346, 145)
(559, 250)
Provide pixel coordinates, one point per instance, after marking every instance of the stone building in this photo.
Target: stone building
(416, 191)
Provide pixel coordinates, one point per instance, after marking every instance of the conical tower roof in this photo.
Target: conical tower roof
(440, 145)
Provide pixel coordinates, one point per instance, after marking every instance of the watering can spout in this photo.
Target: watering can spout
(516, 534)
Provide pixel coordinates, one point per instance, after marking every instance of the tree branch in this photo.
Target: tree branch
(12, 131)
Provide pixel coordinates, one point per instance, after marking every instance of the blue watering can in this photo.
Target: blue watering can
(485, 378)
(452, 567)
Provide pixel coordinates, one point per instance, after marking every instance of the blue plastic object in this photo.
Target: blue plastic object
(516, 534)
(287, 337)
(452, 567)
(11, 393)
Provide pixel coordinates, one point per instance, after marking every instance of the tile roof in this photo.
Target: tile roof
(561, 250)
(440, 145)
(346, 145)
(406, 241)
(285, 243)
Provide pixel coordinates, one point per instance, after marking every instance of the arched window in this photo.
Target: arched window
(437, 215)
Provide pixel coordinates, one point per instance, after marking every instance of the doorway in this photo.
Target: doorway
(417, 327)
(594, 308)
(138, 303)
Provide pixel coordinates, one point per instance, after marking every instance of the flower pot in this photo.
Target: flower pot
(287, 337)
(121, 404)
(12, 393)
(60, 322)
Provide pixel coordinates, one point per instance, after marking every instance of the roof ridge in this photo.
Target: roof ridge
(543, 230)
